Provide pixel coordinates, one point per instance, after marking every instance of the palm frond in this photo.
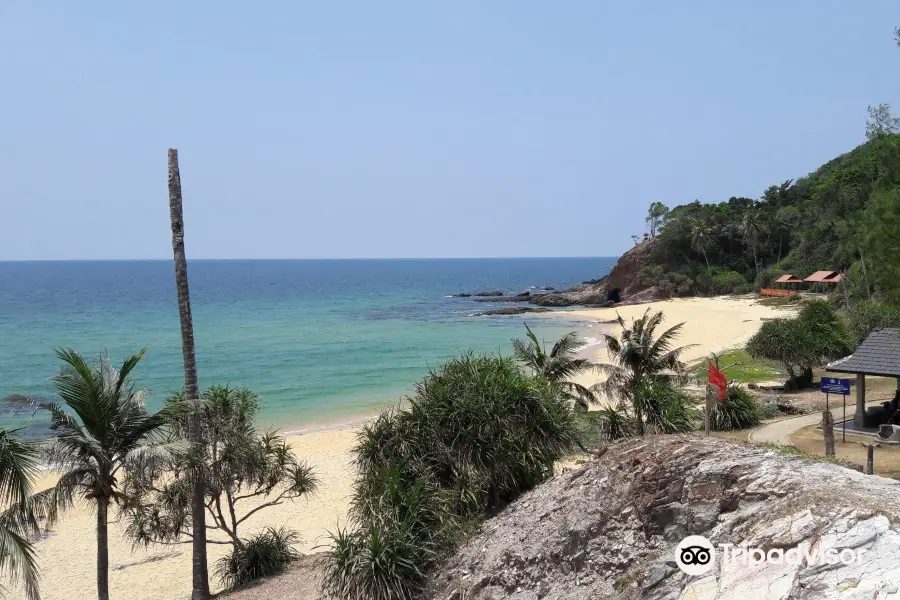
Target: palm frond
(18, 560)
(566, 345)
(18, 464)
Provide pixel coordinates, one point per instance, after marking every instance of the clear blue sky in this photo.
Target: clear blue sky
(426, 129)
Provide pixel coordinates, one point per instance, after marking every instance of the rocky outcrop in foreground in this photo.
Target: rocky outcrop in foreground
(609, 529)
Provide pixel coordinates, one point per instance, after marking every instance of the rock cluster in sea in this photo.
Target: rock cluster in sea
(621, 286)
(510, 310)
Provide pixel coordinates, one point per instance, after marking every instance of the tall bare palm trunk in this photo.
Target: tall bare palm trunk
(200, 587)
(102, 550)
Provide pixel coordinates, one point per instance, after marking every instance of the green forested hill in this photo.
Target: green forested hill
(845, 216)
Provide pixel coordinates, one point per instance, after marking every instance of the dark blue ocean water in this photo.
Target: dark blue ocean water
(320, 340)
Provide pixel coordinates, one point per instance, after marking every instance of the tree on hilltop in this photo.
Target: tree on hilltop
(656, 214)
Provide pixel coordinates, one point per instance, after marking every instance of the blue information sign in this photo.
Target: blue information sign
(830, 385)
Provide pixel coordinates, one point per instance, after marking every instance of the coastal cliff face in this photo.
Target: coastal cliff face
(609, 529)
(621, 285)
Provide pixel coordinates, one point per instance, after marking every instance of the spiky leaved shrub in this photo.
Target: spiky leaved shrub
(401, 531)
(737, 411)
(614, 424)
(267, 553)
(475, 435)
(665, 408)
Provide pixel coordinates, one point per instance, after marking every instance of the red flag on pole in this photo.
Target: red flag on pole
(717, 379)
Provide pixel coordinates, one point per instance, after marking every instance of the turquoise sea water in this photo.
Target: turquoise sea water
(321, 341)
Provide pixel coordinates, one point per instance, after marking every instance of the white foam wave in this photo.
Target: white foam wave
(589, 342)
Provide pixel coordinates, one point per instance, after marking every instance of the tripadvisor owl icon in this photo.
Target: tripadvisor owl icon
(695, 555)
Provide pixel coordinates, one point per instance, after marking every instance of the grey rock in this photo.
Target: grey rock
(506, 299)
(608, 529)
(510, 310)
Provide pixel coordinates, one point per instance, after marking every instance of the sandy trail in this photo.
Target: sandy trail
(68, 556)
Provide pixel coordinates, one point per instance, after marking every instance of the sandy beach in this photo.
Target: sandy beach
(710, 324)
(164, 572)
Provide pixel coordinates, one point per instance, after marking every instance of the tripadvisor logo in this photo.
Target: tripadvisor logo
(696, 555)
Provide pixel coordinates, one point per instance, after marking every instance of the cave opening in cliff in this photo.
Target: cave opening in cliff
(613, 295)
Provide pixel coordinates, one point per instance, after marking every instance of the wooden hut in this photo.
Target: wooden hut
(785, 285)
(879, 354)
(823, 280)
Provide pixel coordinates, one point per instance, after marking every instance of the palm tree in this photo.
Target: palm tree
(24, 516)
(200, 581)
(700, 240)
(100, 428)
(786, 220)
(557, 366)
(639, 357)
(752, 228)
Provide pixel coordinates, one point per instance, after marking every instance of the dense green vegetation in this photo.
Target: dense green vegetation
(737, 411)
(640, 374)
(558, 365)
(844, 216)
(476, 434)
(244, 470)
(101, 430)
(815, 336)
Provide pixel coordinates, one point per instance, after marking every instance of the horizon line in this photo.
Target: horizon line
(169, 259)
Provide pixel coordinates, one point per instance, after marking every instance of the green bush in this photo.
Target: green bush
(403, 529)
(614, 425)
(829, 332)
(867, 315)
(665, 408)
(265, 554)
(788, 342)
(737, 411)
(650, 275)
(728, 282)
(815, 336)
(475, 435)
(673, 283)
(768, 276)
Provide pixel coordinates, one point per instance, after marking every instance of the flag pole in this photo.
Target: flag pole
(708, 408)
(709, 392)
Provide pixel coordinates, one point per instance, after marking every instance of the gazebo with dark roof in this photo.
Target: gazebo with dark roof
(878, 355)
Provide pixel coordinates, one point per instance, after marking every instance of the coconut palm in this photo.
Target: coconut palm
(99, 428)
(25, 515)
(640, 356)
(558, 365)
(200, 580)
(701, 237)
(753, 230)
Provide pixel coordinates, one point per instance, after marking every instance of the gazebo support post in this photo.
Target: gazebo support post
(860, 415)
